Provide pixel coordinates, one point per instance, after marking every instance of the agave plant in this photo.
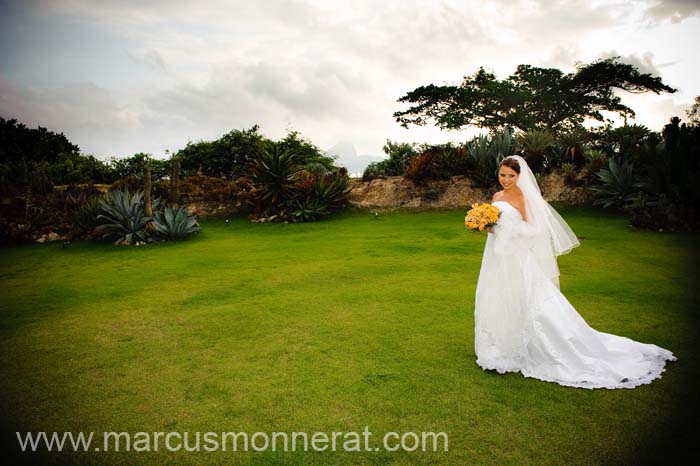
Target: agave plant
(124, 217)
(618, 185)
(273, 173)
(484, 160)
(311, 208)
(175, 223)
(332, 189)
(503, 144)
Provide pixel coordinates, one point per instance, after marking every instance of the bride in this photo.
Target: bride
(523, 323)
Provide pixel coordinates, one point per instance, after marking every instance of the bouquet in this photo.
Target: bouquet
(481, 216)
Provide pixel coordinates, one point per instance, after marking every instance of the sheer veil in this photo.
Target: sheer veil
(553, 235)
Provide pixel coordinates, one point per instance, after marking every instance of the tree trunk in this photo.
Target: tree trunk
(175, 182)
(148, 203)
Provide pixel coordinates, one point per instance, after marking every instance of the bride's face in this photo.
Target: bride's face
(507, 177)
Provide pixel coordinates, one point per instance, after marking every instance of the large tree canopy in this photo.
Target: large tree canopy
(530, 98)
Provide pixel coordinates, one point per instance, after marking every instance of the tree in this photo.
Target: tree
(531, 98)
(17, 142)
(694, 112)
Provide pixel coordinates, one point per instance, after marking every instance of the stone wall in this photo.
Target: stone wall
(457, 192)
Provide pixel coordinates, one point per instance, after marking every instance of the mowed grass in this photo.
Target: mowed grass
(330, 327)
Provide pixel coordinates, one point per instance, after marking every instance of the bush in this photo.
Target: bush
(618, 185)
(423, 167)
(123, 215)
(484, 161)
(175, 223)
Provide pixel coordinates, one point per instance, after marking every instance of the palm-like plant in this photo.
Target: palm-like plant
(595, 160)
(124, 217)
(618, 185)
(273, 173)
(535, 143)
(175, 223)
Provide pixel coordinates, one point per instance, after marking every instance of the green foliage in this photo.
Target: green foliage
(596, 160)
(535, 144)
(226, 157)
(123, 214)
(694, 112)
(17, 142)
(22, 176)
(374, 170)
(309, 155)
(484, 160)
(274, 174)
(132, 168)
(73, 168)
(531, 98)
(503, 143)
(619, 185)
(85, 217)
(175, 223)
(400, 154)
(570, 147)
(284, 191)
(569, 170)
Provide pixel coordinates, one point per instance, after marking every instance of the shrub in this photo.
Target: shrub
(535, 144)
(374, 170)
(618, 185)
(569, 170)
(423, 167)
(124, 217)
(484, 161)
(175, 223)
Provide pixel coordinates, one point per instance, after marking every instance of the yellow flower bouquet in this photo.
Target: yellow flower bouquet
(481, 216)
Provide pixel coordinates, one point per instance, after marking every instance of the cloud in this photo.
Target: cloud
(164, 72)
(644, 63)
(150, 58)
(675, 10)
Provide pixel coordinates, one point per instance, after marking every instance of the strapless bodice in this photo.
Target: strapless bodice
(509, 214)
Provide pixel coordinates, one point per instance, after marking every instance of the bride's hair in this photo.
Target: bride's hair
(510, 163)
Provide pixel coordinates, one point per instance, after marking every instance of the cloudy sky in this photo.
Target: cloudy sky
(122, 76)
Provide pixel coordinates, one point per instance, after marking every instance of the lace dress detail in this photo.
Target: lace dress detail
(523, 323)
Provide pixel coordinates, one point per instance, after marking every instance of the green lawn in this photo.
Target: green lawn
(334, 326)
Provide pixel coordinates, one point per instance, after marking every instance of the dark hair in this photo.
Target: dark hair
(510, 163)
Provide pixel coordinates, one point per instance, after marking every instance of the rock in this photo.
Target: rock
(457, 192)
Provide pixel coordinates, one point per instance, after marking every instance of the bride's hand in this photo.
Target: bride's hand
(489, 229)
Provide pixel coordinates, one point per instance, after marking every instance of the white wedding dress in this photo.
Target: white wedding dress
(523, 323)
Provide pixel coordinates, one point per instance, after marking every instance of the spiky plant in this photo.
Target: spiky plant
(503, 144)
(569, 170)
(273, 173)
(175, 223)
(423, 167)
(595, 160)
(535, 143)
(124, 217)
(619, 185)
(484, 160)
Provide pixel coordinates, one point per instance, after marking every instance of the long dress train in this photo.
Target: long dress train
(523, 323)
